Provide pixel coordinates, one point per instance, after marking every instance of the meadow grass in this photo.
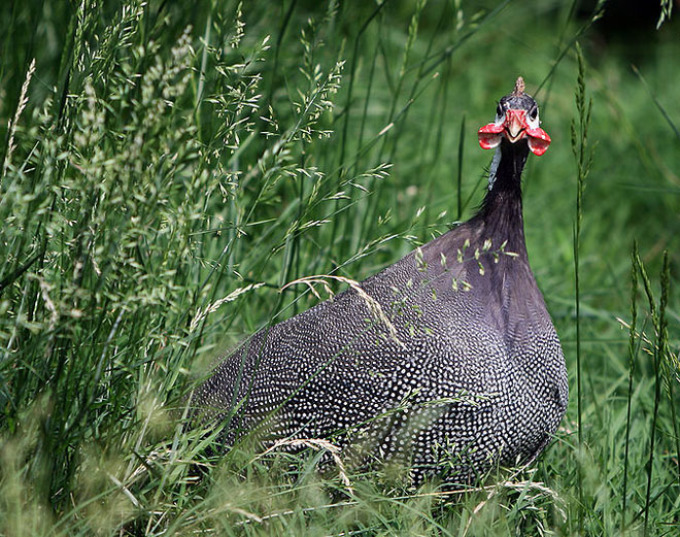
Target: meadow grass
(167, 172)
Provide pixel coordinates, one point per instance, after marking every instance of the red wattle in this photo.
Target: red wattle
(538, 141)
(489, 136)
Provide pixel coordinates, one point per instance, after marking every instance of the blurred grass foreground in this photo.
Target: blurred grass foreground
(167, 168)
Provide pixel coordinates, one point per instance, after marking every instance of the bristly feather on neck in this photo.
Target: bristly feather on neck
(493, 169)
(501, 209)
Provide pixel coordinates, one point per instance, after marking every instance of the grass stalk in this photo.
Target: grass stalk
(632, 353)
(459, 178)
(659, 322)
(583, 156)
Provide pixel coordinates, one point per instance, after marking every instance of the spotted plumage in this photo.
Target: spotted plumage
(458, 369)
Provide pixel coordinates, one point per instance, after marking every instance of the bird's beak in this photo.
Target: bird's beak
(514, 128)
(515, 124)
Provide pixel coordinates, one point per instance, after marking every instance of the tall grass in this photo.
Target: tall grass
(583, 156)
(167, 173)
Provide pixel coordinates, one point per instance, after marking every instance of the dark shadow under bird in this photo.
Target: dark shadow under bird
(446, 361)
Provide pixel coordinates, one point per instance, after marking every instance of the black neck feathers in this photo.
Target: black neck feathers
(501, 211)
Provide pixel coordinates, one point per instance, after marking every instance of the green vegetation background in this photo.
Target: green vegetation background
(168, 167)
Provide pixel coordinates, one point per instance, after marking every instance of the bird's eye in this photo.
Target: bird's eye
(499, 110)
(533, 113)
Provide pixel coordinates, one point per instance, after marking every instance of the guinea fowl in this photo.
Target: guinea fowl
(446, 361)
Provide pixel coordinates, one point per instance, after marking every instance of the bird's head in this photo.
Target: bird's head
(516, 119)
